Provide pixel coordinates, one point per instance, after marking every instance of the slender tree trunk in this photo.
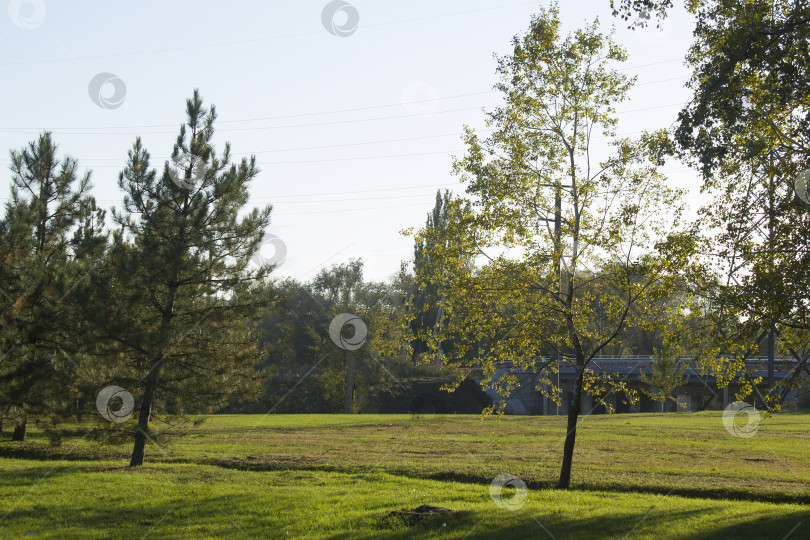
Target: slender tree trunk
(148, 401)
(20, 431)
(139, 450)
(570, 438)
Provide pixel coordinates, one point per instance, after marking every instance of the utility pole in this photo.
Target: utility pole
(558, 255)
(556, 404)
(350, 383)
(771, 225)
(558, 264)
(405, 346)
(439, 317)
(558, 233)
(771, 354)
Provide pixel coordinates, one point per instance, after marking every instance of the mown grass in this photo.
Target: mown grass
(336, 476)
(109, 500)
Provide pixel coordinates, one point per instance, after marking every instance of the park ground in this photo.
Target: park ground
(340, 476)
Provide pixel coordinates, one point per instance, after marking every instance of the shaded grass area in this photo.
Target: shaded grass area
(682, 454)
(102, 499)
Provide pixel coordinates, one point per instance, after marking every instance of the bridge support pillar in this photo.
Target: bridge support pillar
(611, 402)
(684, 403)
(587, 404)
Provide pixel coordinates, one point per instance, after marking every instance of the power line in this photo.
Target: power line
(297, 115)
(248, 41)
(661, 81)
(257, 128)
(328, 160)
(308, 201)
(308, 196)
(280, 117)
(351, 209)
(651, 64)
(363, 191)
(313, 124)
(363, 158)
(404, 139)
(327, 193)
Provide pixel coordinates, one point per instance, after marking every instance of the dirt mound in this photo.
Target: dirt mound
(424, 511)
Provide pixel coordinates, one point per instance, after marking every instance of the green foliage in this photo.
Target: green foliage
(747, 129)
(640, 10)
(305, 371)
(177, 299)
(750, 61)
(667, 373)
(50, 239)
(542, 290)
(565, 244)
(426, 304)
(601, 385)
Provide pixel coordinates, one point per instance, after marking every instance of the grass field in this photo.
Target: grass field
(324, 476)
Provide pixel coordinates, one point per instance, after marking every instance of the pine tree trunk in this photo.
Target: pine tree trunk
(139, 450)
(20, 431)
(148, 402)
(570, 438)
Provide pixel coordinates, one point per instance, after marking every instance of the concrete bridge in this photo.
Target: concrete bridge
(699, 392)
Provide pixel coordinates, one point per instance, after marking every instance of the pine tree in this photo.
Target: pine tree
(178, 307)
(49, 202)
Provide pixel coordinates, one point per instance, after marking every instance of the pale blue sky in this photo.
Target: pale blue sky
(343, 184)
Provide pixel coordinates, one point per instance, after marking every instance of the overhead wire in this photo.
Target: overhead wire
(288, 116)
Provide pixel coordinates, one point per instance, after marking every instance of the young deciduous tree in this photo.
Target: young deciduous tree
(667, 373)
(566, 241)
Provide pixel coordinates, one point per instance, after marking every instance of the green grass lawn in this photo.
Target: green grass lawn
(335, 476)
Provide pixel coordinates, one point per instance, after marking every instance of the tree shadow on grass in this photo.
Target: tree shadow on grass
(22, 478)
(504, 525)
(68, 451)
(208, 517)
(794, 527)
(35, 450)
(139, 514)
(681, 490)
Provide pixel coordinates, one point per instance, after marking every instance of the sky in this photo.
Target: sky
(354, 110)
